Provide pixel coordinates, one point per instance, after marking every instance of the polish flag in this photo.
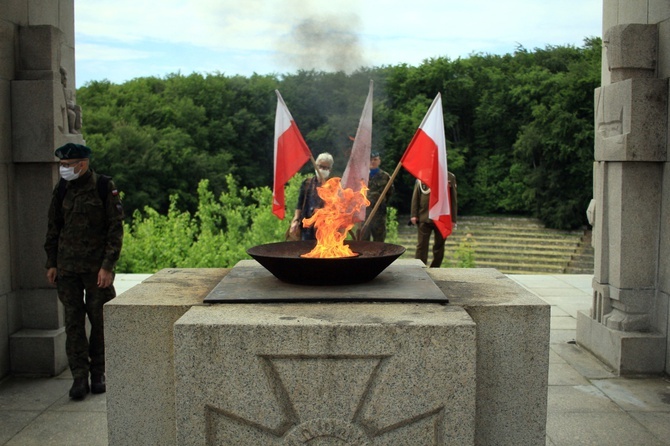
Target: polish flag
(426, 159)
(291, 153)
(358, 167)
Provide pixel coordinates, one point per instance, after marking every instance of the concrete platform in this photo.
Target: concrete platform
(587, 403)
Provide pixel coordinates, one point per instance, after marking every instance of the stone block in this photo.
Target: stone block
(663, 68)
(631, 50)
(664, 257)
(5, 239)
(627, 353)
(38, 352)
(632, 199)
(631, 11)
(33, 184)
(139, 353)
(13, 312)
(5, 125)
(44, 12)
(15, 11)
(39, 48)
(7, 33)
(356, 373)
(631, 120)
(66, 24)
(41, 309)
(659, 12)
(512, 353)
(4, 336)
(38, 121)
(600, 236)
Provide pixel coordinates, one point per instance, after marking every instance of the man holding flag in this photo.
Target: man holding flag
(425, 226)
(426, 159)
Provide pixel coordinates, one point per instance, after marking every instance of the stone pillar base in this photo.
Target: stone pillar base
(627, 353)
(38, 352)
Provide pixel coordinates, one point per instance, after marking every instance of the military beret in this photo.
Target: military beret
(72, 151)
(374, 154)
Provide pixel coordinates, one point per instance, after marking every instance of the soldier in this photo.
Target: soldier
(419, 216)
(83, 243)
(376, 228)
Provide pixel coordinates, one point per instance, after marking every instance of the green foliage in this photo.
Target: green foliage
(217, 235)
(464, 256)
(391, 225)
(519, 130)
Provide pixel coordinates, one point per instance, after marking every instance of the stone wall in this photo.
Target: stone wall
(36, 42)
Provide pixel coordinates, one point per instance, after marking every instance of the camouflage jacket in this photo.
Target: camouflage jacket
(84, 234)
(376, 185)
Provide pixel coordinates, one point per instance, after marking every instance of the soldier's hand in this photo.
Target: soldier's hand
(52, 274)
(105, 278)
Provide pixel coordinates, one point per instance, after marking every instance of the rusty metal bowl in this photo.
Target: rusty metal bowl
(284, 261)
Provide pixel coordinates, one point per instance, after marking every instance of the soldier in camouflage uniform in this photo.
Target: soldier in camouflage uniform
(83, 243)
(376, 229)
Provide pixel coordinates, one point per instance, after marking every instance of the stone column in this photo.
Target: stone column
(627, 324)
(39, 124)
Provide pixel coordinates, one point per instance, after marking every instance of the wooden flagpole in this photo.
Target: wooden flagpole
(379, 201)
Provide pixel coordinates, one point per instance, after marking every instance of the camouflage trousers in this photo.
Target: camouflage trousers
(81, 297)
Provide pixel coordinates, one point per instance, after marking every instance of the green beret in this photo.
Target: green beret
(72, 151)
(374, 154)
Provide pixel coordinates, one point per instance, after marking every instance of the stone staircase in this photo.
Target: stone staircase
(512, 245)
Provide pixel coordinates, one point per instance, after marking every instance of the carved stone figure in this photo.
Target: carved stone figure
(71, 111)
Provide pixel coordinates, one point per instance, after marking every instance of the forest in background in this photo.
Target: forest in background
(519, 130)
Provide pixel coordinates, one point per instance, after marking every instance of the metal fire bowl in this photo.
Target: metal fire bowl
(284, 262)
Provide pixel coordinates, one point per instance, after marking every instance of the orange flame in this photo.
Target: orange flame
(335, 219)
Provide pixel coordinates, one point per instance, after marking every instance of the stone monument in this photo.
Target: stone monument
(627, 327)
(183, 372)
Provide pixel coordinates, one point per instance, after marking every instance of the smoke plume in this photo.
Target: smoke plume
(324, 43)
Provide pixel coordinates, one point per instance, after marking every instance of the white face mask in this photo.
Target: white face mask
(67, 173)
(325, 173)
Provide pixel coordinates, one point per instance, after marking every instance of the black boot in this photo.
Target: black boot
(98, 384)
(79, 389)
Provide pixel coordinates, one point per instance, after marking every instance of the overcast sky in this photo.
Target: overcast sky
(120, 40)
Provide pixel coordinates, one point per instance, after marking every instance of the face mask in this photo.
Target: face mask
(325, 173)
(67, 173)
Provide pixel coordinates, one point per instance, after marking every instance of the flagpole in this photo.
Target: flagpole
(389, 183)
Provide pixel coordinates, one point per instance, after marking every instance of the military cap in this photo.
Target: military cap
(72, 151)
(374, 154)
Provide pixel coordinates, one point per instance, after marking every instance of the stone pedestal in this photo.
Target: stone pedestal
(470, 372)
(360, 373)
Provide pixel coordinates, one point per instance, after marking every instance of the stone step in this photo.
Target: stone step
(513, 245)
(520, 243)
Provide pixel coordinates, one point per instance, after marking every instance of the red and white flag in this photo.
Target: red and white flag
(358, 167)
(291, 153)
(426, 159)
